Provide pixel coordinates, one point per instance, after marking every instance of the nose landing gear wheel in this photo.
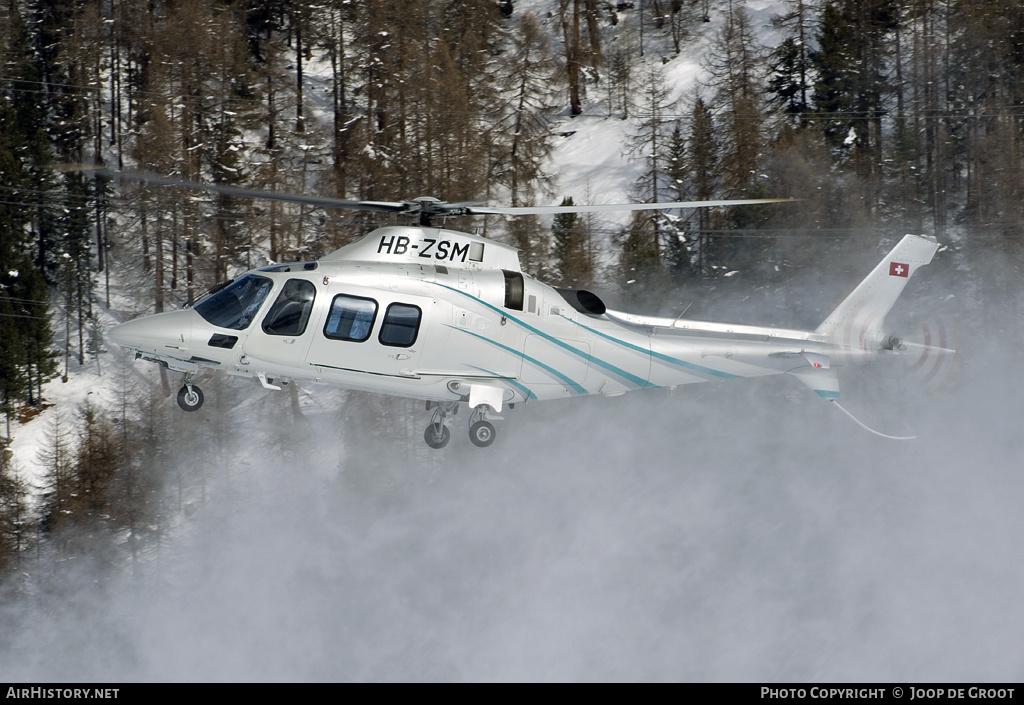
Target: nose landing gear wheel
(437, 438)
(190, 398)
(482, 434)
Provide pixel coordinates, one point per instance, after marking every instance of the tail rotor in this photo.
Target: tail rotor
(933, 362)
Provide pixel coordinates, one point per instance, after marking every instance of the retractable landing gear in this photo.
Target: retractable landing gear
(481, 431)
(190, 397)
(437, 434)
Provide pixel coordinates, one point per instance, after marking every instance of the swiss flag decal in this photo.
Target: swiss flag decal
(898, 269)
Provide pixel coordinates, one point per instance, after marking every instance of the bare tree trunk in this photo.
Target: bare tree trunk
(340, 100)
(571, 34)
(300, 121)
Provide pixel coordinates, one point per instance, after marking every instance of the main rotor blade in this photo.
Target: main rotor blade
(426, 207)
(322, 201)
(542, 210)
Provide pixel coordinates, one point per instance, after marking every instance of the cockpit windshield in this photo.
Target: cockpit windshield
(234, 307)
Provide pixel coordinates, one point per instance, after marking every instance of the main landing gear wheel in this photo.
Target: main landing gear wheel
(437, 435)
(482, 434)
(190, 398)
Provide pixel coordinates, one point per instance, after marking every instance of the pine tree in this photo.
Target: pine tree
(527, 234)
(133, 489)
(703, 166)
(574, 261)
(521, 139)
(736, 64)
(423, 98)
(57, 460)
(26, 358)
(335, 37)
(15, 516)
(39, 360)
(650, 142)
(23, 119)
(12, 373)
(835, 67)
(76, 270)
(641, 274)
(788, 83)
(675, 227)
(791, 80)
(620, 73)
(850, 65)
(97, 460)
(985, 75)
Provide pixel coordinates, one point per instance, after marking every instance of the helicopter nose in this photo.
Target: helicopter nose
(161, 332)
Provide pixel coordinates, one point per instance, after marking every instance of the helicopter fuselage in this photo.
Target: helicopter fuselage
(444, 316)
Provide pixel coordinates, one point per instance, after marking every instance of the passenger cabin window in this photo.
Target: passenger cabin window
(290, 312)
(235, 305)
(401, 325)
(351, 318)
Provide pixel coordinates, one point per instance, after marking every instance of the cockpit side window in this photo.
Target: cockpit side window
(351, 318)
(235, 306)
(290, 312)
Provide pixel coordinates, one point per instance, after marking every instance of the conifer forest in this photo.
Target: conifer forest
(882, 117)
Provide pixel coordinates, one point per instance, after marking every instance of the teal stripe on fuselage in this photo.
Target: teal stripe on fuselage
(526, 392)
(547, 368)
(659, 356)
(638, 381)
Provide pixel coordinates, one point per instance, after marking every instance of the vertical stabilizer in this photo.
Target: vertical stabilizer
(857, 322)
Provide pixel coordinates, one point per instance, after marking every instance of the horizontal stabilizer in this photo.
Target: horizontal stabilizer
(823, 381)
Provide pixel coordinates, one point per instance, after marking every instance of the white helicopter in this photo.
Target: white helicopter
(450, 318)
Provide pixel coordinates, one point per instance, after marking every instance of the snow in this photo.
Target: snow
(88, 382)
(731, 533)
(590, 163)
